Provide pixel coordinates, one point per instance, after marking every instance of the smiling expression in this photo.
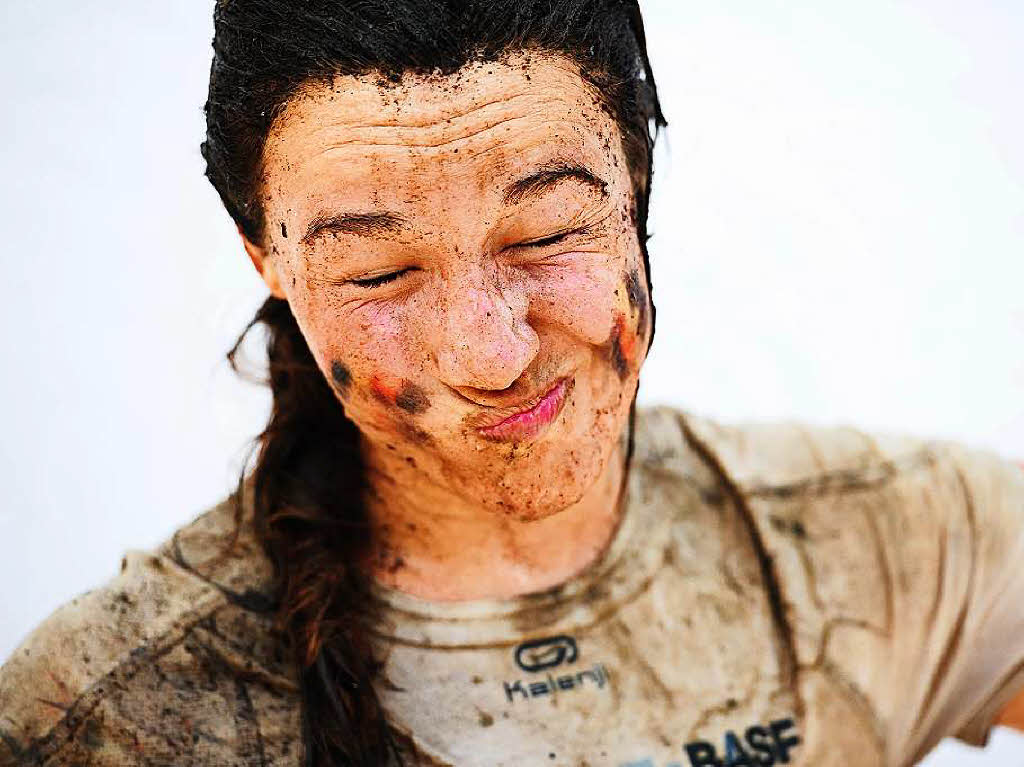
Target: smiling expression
(452, 247)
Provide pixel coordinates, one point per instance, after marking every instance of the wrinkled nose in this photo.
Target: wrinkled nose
(483, 338)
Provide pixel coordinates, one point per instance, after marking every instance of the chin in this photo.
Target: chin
(530, 493)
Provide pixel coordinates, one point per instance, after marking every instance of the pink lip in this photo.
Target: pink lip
(527, 424)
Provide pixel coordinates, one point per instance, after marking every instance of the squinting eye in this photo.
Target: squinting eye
(383, 279)
(553, 238)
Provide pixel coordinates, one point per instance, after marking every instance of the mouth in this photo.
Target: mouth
(529, 422)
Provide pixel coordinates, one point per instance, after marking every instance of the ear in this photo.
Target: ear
(266, 267)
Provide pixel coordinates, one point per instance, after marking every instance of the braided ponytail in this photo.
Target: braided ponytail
(308, 514)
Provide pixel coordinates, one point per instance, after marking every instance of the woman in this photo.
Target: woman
(461, 542)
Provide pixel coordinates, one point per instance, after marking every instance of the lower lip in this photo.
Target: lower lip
(522, 426)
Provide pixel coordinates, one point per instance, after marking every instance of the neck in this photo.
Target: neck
(433, 544)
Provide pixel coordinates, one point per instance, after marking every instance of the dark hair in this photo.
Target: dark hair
(308, 478)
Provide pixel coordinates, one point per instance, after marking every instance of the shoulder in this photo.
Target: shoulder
(164, 659)
(780, 463)
(788, 453)
(843, 518)
(781, 459)
(913, 487)
(893, 559)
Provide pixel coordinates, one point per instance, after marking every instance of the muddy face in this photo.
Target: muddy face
(451, 247)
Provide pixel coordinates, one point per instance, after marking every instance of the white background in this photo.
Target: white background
(838, 225)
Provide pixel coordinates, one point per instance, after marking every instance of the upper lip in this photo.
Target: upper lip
(494, 416)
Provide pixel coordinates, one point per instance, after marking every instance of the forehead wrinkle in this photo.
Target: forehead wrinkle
(421, 136)
(512, 151)
(423, 144)
(488, 170)
(430, 120)
(537, 134)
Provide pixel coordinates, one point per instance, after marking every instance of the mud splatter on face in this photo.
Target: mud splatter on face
(341, 376)
(637, 298)
(412, 399)
(409, 398)
(382, 391)
(619, 346)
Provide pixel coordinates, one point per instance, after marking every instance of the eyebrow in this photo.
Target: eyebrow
(534, 184)
(547, 176)
(363, 224)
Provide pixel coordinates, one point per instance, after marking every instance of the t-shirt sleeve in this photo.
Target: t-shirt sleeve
(900, 571)
(924, 606)
(985, 655)
(66, 688)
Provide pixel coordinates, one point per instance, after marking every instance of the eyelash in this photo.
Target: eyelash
(552, 239)
(383, 279)
(373, 282)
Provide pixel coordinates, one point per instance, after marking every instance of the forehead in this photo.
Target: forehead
(360, 138)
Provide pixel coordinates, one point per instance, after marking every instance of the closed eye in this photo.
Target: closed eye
(552, 239)
(383, 279)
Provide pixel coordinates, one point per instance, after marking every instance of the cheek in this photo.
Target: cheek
(379, 394)
(362, 350)
(580, 298)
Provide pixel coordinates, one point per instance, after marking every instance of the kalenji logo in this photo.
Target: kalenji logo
(540, 654)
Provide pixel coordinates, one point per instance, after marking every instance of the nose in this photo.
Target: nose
(482, 338)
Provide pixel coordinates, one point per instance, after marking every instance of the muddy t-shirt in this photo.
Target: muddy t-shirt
(774, 594)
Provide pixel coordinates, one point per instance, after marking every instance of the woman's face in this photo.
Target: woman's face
(453, 248)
